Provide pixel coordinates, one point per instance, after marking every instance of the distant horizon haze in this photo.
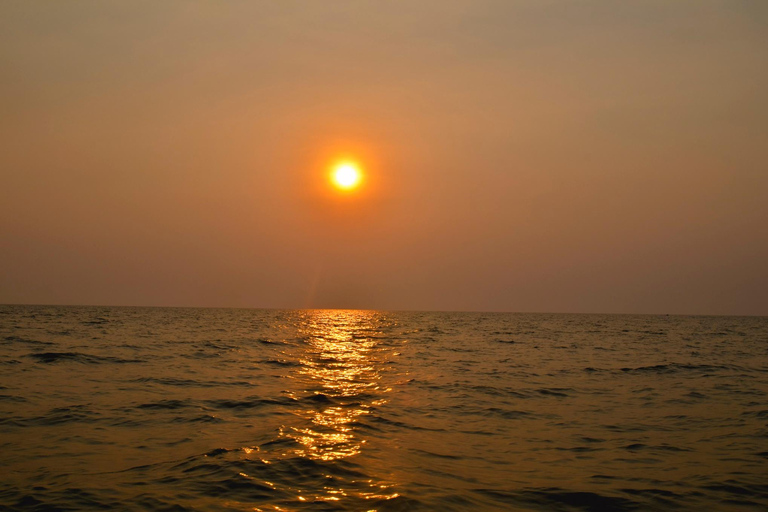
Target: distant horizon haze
(479, 312)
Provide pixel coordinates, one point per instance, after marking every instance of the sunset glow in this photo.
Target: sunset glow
(346, 176)
(360, 255)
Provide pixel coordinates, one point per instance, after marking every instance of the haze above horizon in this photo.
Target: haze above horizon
(587, 157)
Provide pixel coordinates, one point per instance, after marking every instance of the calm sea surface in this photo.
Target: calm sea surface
(225, 409)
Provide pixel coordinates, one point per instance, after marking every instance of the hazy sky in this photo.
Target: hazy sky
(563, 156)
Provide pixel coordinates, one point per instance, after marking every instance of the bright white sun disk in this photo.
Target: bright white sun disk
(346, 176)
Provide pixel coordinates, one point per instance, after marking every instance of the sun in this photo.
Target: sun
(346, 176)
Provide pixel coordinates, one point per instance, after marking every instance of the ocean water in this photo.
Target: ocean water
(225, 409)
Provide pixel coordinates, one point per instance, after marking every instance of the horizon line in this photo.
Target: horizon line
(383, 310)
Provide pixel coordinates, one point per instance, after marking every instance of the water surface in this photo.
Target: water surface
(225, 409)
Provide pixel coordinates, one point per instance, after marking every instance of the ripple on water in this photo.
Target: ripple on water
(189, 409)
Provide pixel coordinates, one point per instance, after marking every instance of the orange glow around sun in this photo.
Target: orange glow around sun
(346, 176)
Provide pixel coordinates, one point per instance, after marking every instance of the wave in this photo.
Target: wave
(19, 339)
(248, 403)
(78, 357)
(554, 498)
(56, 416)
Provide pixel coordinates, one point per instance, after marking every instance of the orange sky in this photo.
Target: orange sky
(520, 156)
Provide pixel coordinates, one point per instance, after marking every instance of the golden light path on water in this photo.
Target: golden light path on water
(340, 375)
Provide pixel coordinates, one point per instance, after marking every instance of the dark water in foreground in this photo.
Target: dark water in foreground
(204, 409)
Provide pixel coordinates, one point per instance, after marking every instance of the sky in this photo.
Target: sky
(529, 156)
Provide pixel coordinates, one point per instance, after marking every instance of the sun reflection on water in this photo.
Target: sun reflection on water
(340, 372)
(336, 386)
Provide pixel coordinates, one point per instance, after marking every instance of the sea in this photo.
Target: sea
(174, 409)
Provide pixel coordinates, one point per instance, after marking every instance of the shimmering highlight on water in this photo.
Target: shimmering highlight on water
(204, 409)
